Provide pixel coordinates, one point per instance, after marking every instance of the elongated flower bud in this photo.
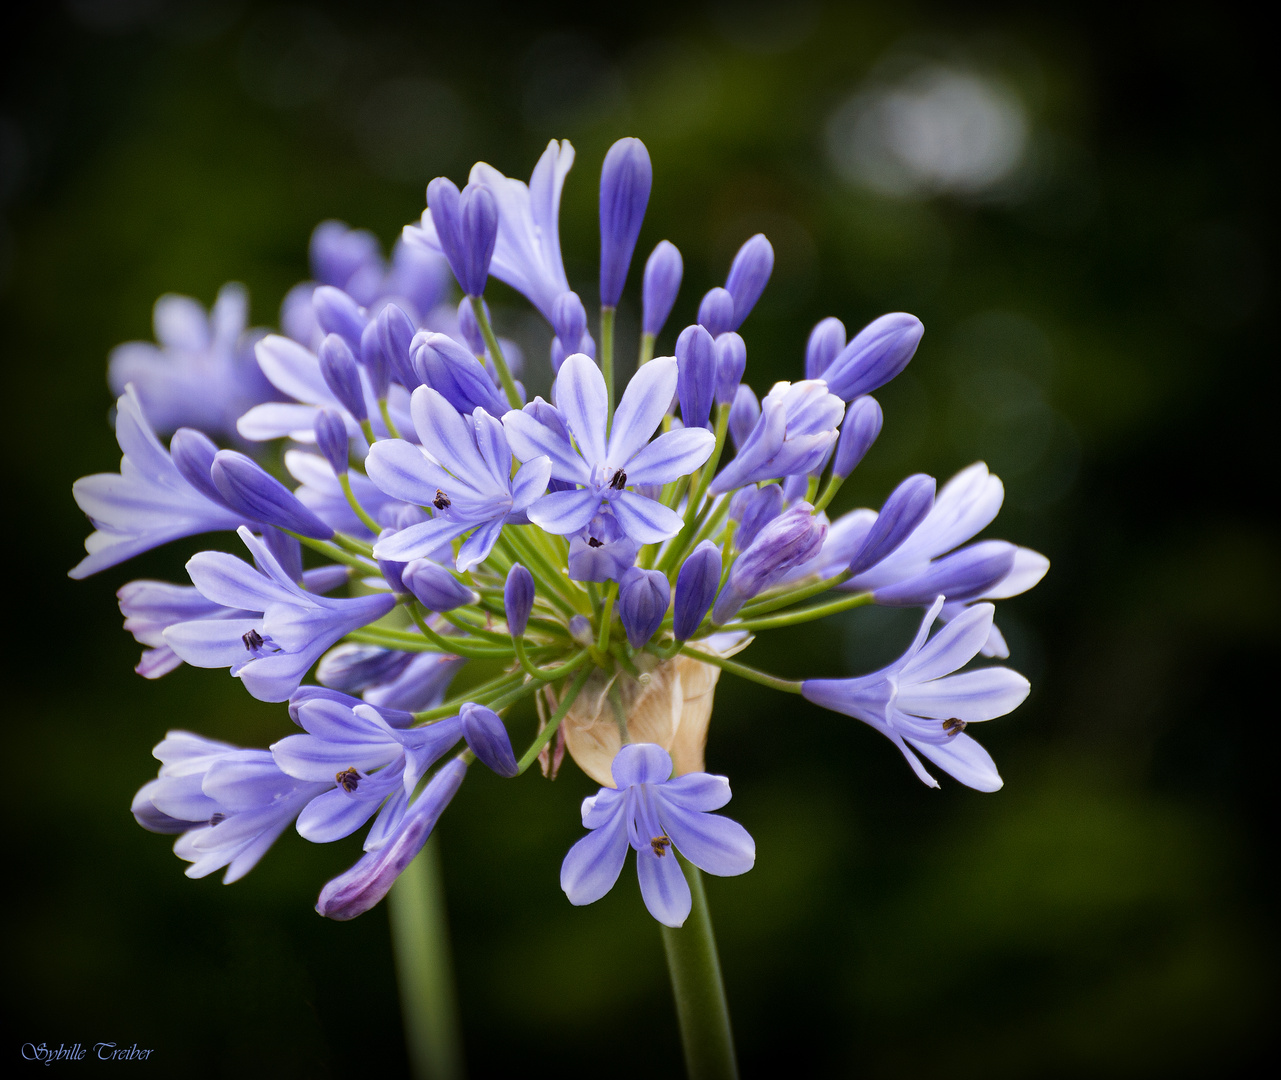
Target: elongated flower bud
(451, 370)
(696, 585)
(696, 378)
(518, 599)
(748, 276)
(467, 227)
(743, 415)
(716, 312)
(826, 341)
(903, 511)
(625, 180)
(663, 273)
(395, 332)
(569, 320)
(365, 884)
(963, 575)
(874, 355)
(374, 361)
(642, 602)
(339, 314)
(251, 491)
(485, 734)
(760, 507)
(331, 438)
(469, 328)
(435, 587)
(731, 362)
(342, 376)
(862, 425)
(792, 538)
(193, 454)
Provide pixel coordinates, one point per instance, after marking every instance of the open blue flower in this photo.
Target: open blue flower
(653, 813)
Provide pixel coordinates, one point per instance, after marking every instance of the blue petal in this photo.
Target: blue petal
(697, 791)
(671, 455)
(593, 864)
(711, 842)
(530, 439)
(403, 471)
(964, 759)
(641, 410)
(644, 520)
(580, 395)
(663, 887)
(641, 763)
(564, 512)
(419, 541)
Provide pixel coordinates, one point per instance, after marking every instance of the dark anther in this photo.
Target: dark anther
(252, 640)
(620, 479)
(954, 726)
(220, 816)
(348, 779)
(593, 542)
(660, 844)
(441, 501)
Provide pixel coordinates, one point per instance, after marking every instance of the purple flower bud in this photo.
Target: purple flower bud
(374, 361)
(792, 538)
(434, 586)
(760, 507)
(518, 599)
(696, 375)
(248, 490)
(696, 586)
(360, 888)
(903, 511)
(625, 180)
(569, 319)
(826, 341)
(716, 312)
(393, 572)
(488, 739)
(287, 551)
(874, 355)
(336, 252)
(342, 376)
(642, 603)
(743, 415)
(662, 281)
(331, 437)
(469, 328)
(449, 369)
(193, 454)
(395, 332)
(862, 425)
(467, 227)
(337, 313)
(748, 275)
(353, 668)
(963, 575)
(580, 629)
(731, 362)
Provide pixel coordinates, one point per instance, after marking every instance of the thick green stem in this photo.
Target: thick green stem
(420, 939)
(495, 353)
(790, 686)
(698, 989)
(369, 523)
(802, 615)
(385, 413)
(646, 350)
(607, 359)
(332, 551)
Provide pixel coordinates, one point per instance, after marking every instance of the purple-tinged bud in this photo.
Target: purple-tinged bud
(642, 602)
(371, 878)
(569, 319)
(716, 312)
(193, 455)
(407, 514)
(961, 576)
(449, 369)
(662, 281)
(826, 341)
(792, 538)
(468, 326)
(393, 572)
(760, 507)
(339, 314)
(625, 180)
(342, 376)
(331, 437)
(518, 599)
(395, 332)
(696, 375)
(862, 425)
(286, 550)
(467, 228)
(903, 511)
(580, 629)
(748, 276)
(353, 668)
(874, 355)
(249, 490)
(743, 415)
(435, 587)
(374, 361)
(696, 586)
(488, 739)
(731, 362)
(336, 252)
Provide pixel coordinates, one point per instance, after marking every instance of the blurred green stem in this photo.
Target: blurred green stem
(697, 987)
(420, 940)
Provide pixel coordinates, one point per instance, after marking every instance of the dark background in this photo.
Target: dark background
(1095, 332)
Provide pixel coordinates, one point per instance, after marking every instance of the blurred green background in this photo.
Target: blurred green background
(1075, 203)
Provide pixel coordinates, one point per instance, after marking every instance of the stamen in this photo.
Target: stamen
(619, 481)
(660, 844)
(593, 542)
(348, 779)
(252, 640)
(218, 817)
(954, 726)
(441, 501)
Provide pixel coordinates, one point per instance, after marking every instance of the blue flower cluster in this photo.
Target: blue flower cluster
(611, 549)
